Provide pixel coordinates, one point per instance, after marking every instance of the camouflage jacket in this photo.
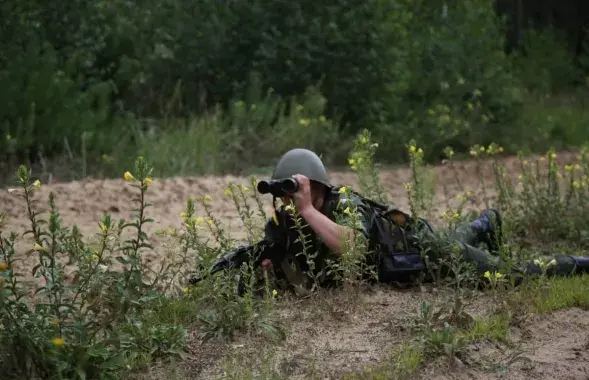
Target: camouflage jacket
(392, 237)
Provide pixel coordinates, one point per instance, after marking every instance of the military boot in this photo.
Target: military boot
(488, 227)
(582, 264)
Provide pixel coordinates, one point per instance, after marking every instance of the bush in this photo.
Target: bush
(94, 326)
(95, 79)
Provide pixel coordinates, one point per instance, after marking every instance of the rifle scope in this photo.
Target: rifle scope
(278, 187)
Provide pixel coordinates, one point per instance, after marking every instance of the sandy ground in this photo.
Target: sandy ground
(341, 339)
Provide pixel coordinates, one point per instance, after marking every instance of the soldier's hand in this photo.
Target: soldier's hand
(302, 198)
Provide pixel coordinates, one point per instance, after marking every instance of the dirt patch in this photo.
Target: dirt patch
(552, 347)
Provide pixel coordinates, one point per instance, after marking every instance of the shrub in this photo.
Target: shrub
(92, 327)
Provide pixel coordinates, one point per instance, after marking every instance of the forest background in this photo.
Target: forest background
(211, 86)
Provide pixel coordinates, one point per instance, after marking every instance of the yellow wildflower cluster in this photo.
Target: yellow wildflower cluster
(353, 162)
(451, 216)
(493, 276)
(130, 177)
(415, 150)
(189, 222)
(571, 168)
(305, 122)
(543, 265)
(581, 182)
(464, 196)
(230, 191)
(491, 150)
(57, 342)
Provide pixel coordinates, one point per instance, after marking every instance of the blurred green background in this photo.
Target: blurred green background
(218, 86)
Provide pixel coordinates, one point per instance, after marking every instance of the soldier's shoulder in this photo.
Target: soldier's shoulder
(342, 195)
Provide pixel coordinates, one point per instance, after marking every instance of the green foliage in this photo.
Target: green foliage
(93, 326)
(96, 81)
(120, 314)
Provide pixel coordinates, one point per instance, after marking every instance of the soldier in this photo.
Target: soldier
(399, 247)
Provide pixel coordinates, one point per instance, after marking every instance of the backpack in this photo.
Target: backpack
(395, 243)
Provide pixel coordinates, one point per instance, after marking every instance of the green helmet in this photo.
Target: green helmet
(301, 161)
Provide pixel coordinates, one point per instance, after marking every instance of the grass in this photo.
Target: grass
(124, 317)
(222, 142)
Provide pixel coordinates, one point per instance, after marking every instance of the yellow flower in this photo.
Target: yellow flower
(95, 256)
(3, 266)
(553, 156)
(342, 190)
(198, 220)
(568, 168)
(183, 215)
(412, 149)
(274, 293)
(210, 222)
(351, 161)
(128, 176)
(207, 197)
(148, 181)
(538, 262)
(58, 342)
(487, 274)
(37, 184)
(227, 192)
(37, 247)
(185, 290)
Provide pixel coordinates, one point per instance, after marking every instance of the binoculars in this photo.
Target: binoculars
(278, 187)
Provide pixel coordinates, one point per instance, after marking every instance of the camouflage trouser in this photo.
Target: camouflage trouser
(464, 241)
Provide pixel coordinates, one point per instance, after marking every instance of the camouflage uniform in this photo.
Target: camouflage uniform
(398, 244)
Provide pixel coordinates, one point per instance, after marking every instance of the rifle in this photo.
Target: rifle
(277, 253)
(257, 253)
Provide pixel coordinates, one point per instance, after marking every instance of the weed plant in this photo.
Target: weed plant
(121, 314)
